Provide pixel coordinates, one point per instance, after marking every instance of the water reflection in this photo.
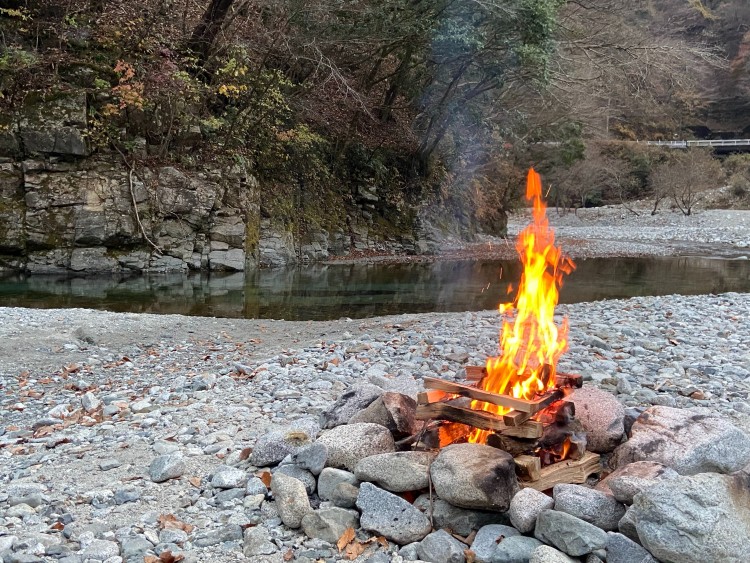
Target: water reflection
(363, 290)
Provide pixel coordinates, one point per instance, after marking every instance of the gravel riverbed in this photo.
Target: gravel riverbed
(89, 399)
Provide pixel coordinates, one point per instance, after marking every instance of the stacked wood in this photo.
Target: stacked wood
(513, 432)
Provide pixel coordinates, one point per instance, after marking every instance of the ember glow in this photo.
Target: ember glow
(530, 341)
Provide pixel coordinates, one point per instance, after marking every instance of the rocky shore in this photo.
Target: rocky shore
(124, 435)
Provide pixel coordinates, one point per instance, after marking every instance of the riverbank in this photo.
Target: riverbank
(209, 388)
(609, 231)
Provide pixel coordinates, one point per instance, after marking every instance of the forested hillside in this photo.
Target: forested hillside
(220, 133)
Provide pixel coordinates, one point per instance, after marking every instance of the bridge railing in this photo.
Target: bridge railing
(701, 143)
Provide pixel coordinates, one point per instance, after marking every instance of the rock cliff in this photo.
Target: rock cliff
(65, 209)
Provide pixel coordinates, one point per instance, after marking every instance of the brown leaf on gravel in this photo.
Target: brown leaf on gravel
(195, 481)
(289, 555)
(168, 557)
(266, 478)
(345, 538)
(245, 453)
(470, 556)
(170, 521)
(151, 559)
(354, 550)
(57, 526)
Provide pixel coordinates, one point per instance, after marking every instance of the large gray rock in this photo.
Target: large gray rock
(101, 550)
(515, 549)
(568, 533)
(441, 547)
(621, 549)
(350, 443)
(547, 554)
(329, 524)
(386, 514)
(330, 478)
(631, 479)
(394, 411)
(689, 441)
(396, 471)
(257, 541)
(488, 538)
(626, 526)
(475, 476)
(303, 475)
(693, 519)
(461, 521)
(526, 506)
(350, 403)
(601, 415)
(226, 477)
(598, 508)
(166, 467)
(275, 445)
(312, 457)
(291, 499)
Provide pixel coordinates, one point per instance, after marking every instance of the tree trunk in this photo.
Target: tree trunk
(206, 31)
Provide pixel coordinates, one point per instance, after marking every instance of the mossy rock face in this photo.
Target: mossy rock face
(54, 123)
(12, 211)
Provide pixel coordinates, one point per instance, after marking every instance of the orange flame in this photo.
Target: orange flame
(530, 341)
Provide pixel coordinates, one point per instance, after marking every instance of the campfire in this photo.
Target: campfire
(517, 401)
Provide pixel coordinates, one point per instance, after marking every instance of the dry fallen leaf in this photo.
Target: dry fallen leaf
(168, 557)
(195, 481)
(289, 555)
(266, 478)
(245, 453)
(151, 559)
(354, 550)
(345, 538)
(470, 556)
(170, 521)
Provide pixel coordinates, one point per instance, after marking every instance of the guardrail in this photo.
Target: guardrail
(703, 143)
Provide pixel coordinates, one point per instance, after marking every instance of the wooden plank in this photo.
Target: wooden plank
(528, 467)
(529, 429)
(478, 394)
(478, 419)
(568, 471)
(431, 396)
(475, 373)
(522, 405)
(575, 380)
(516, 418)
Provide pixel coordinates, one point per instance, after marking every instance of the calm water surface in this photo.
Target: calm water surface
(332, 291)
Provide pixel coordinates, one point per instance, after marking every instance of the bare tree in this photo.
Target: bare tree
(686, 177)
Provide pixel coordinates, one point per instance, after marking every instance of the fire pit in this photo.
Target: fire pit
(517, 401)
